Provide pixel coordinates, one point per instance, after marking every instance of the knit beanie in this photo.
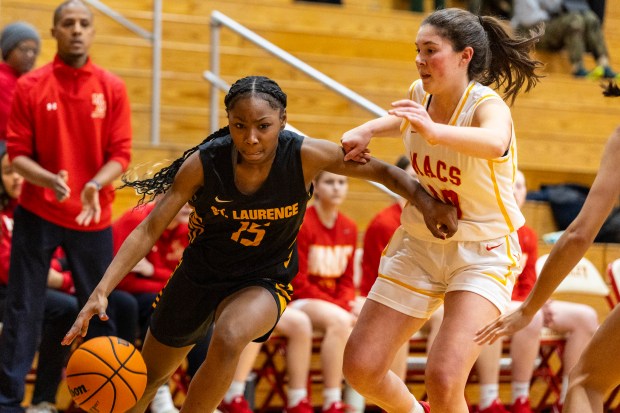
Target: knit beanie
(14, 33)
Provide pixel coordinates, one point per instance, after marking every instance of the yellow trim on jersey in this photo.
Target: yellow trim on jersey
(498, 197)
(459, 109)
(407, 286)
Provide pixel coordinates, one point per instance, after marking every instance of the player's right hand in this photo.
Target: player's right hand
(96, 305)
(355, 146)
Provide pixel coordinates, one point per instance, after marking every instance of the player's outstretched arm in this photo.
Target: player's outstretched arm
(318, 154)
(571, 246)
(139, 243)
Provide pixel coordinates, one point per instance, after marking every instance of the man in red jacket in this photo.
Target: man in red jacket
(69, 135)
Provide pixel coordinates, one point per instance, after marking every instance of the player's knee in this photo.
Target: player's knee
(441, 380)
(361, 368)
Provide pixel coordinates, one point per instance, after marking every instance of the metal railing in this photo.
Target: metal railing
(218, 20)
(154, 38)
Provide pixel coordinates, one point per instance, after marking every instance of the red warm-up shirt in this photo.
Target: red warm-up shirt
(377, 236)
(326, 260)
(528, 240)
(71, 119)
(164, 255)
(8, 82)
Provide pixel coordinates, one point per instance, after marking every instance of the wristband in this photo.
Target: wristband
(97, 184)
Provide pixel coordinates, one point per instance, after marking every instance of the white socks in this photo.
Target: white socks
(294, 396)
(520, 389)
(331, 396)
(237, 388)
(488, 394)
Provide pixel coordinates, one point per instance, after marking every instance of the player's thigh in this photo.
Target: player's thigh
(600, 362)
(464, 314)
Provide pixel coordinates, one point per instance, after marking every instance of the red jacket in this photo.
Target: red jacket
(326, 260)
(72, 119)
(529, 245)
(164, 255)
(8, 81)
(376, 238)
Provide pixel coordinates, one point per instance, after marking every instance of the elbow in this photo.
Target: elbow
(498, 151)
(578, 237)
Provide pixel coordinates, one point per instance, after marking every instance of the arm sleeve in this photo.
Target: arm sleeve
(119, 147)
(19, 130)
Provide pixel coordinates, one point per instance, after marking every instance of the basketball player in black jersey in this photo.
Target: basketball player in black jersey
(248, 184)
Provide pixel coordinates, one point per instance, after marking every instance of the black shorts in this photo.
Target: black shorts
(184, 310)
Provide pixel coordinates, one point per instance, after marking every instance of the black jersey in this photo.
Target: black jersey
(240, 237)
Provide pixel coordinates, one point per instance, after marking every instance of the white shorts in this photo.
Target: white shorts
(415, 275)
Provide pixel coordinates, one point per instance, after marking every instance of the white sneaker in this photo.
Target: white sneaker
(162, 402)
(43, 407)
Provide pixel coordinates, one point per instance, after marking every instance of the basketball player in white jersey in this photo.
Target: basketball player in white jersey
(460, 138)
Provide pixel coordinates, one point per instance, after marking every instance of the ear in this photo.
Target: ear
(467, 54)
(283, 120)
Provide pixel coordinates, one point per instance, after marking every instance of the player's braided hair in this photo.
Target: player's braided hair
(258, 86)
(499, 59)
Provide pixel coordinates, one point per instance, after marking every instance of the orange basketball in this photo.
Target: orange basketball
(106, 375)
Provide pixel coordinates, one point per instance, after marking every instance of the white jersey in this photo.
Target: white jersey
(481, 189)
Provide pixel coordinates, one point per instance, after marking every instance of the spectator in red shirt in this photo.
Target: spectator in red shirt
(69, 135)
(19, 43)
(324, 284)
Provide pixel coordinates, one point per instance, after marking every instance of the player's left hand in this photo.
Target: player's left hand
(440, 218)
(91, 208)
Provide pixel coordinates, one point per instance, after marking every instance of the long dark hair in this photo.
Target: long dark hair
(500, 58)
(256, 86)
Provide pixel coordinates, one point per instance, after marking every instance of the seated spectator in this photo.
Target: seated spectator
(569, 25)
(151, 274)
(296, 327)
(323, 287)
